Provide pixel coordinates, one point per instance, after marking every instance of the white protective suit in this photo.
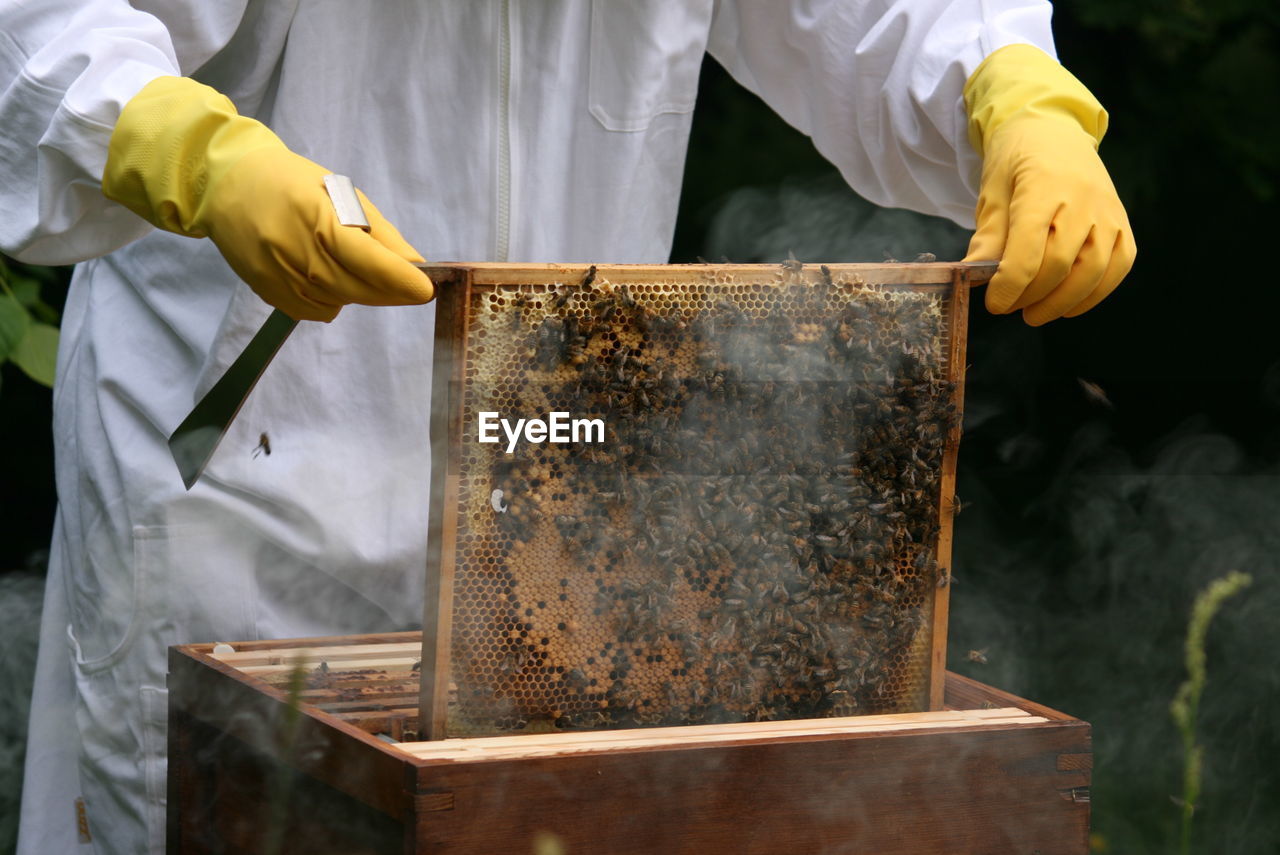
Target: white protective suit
(485, 130)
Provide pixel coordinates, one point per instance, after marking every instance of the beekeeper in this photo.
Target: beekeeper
(484, 131)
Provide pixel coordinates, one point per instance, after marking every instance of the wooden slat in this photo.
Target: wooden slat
(448, 373)
(331, 653)
(697, 731)
(967, 693)
(348, 641)
(506, 748)
(957, 334)
(399, 670)
(540, 274)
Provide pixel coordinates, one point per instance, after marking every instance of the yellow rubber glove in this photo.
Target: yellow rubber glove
(1046, 207)
(182, 158)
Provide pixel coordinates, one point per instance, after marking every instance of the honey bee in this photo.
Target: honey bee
(561, 297)
(264, 445)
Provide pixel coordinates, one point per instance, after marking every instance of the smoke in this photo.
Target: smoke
(1086, 530)
(20, 596)
(822, 220)
(1077, 560)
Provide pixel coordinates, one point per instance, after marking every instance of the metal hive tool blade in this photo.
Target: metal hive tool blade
(195, 440)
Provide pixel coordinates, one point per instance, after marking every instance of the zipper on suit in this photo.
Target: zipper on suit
(502, 237)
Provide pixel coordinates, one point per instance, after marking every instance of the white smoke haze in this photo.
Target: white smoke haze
(1076, 568)
(1076, 562)
(21, 593)
(821, 220)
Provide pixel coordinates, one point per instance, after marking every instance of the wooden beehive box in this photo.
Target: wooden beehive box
(763, 530)
(298, 747)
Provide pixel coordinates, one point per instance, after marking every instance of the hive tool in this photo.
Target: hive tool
(195, 440)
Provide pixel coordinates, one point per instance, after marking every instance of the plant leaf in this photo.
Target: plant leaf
(25, 291)
(37, 353)
(42, 311)
(14, 322)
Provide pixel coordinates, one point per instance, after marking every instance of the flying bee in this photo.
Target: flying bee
(264, 445)
(979, 656)
(1095, 394)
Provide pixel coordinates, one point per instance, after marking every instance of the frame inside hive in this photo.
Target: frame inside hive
(764, 532)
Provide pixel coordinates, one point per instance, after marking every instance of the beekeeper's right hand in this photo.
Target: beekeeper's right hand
(183, 159)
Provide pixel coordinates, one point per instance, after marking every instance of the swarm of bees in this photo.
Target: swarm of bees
(754, 540)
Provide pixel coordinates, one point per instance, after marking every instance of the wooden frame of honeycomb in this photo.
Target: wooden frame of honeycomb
(765, 531)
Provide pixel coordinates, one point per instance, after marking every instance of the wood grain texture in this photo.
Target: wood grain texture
(882, 274)
(957, 344)
(894, 794)
(247, 775)
(317, 744)
(448, 370)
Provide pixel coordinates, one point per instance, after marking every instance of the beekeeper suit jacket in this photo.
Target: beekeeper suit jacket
(497, 130)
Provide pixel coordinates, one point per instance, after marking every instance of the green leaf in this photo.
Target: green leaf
(42, 311)
(37, 353)
(14, 322)
(25, 291)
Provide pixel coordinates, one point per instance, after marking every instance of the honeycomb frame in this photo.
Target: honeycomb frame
(588, 586)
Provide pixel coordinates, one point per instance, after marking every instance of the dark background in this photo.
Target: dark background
(1088, 526)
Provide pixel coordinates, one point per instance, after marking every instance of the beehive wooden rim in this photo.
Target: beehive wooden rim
(218, 714)
(970, 706)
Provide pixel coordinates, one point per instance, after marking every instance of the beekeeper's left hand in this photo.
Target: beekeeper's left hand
(1046, 206)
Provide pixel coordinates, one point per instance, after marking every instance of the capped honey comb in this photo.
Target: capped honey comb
(762, 533)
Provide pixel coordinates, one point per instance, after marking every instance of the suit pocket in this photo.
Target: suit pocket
(189, 582)
(645, 59)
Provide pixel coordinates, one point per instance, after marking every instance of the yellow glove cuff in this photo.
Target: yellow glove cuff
(173, 141)
(1022, 81)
